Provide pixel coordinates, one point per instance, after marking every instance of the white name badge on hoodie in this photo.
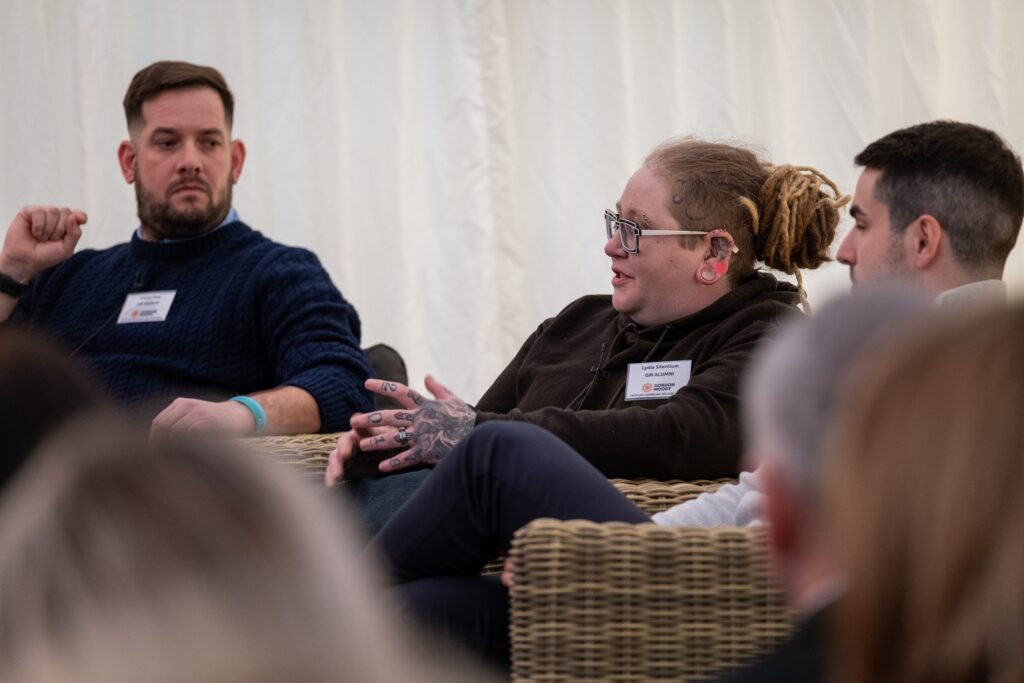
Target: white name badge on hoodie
(656, 380)
(146, 307)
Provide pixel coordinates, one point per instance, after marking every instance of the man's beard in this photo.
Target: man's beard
(895, 266)
(167, 222)
(895, 259)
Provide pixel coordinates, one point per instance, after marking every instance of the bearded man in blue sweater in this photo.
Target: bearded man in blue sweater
(199, 320)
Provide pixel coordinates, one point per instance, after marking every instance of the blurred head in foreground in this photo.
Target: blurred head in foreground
(40, 388)
(791, 392)
(924, 497)
(125, 560)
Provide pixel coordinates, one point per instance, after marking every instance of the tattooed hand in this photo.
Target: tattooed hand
(431, 426)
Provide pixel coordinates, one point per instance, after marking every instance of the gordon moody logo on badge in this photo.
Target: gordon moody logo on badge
(146, 307)
(658, 380)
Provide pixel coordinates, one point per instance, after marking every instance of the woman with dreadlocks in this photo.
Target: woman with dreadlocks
(644, 383)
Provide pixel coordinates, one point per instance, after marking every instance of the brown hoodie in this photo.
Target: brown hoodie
(570, 376)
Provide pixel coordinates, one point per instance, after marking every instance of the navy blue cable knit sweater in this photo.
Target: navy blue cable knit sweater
(249, 315)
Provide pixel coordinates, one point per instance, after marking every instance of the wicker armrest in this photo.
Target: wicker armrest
(306, 453)
(653, 495)
(620, 602)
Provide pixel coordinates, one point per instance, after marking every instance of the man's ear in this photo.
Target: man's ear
(924, 239)
(718, 250)
(126, 159)
(237, 159)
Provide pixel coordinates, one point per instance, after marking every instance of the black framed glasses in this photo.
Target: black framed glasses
(629, 232)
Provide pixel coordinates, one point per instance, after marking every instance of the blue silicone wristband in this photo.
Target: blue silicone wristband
(256, 409)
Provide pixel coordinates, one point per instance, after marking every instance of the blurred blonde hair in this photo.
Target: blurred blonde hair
(925, 493)
(124, 560)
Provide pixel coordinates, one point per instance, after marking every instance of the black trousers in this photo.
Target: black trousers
(497, 479)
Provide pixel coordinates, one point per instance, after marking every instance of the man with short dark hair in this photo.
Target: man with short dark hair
(940, 204)
(938, 207)
(239, 334)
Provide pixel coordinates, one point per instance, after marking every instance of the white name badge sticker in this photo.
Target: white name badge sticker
(656, 380)
(146, 307)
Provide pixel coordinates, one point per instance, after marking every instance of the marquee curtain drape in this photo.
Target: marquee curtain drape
(449, 161)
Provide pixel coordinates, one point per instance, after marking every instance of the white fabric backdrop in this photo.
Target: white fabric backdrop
(449, 160)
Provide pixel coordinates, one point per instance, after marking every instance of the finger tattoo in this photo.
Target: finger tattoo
(415, 398)
(375, 418)
(405, 417)
(389, 386)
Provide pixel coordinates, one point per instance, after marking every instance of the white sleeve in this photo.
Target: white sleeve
(739, 504)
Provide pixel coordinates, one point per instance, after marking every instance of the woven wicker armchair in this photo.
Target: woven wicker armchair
(304, 453)
(619, 602)
(307, 454)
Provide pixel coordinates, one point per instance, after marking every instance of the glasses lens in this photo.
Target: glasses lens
(610, 223)
(627, 231)
(629, 238)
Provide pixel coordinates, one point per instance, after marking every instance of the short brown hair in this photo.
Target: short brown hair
(160, 77)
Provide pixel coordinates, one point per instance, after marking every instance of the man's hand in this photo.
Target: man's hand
(227, 418)
(340, 463)
(335, 472)
(430, 427)
(40, 237)
(508, 573)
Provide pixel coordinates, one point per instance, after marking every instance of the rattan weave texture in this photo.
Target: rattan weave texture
(619, 602)
(637, 603)
(308, 453)
(652, 495)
